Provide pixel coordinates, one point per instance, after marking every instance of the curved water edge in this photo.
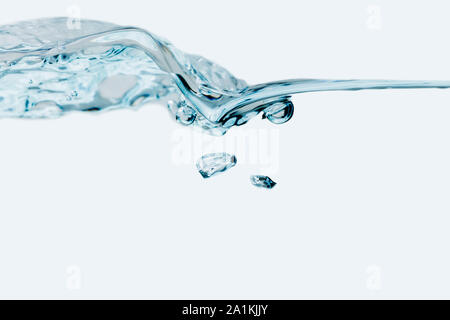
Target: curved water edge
(48, 70)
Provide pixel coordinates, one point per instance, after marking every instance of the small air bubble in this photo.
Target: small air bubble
(186, 115)
(280, 112)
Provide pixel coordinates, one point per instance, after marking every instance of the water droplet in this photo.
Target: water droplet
(214, 163)
(186, 115)
(280, 112)
(263, 182)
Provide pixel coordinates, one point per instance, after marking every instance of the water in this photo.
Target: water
(263, 182)
(214, 163)
(48, 70)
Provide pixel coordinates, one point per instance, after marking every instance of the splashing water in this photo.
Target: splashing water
(48, 69)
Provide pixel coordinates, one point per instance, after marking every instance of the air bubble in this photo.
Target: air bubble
(185, 114)
(280, 112)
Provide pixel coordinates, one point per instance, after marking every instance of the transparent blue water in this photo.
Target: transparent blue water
(213, 163)
(262, 182)
(48, 69)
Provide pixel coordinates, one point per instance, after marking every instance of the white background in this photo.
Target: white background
(100, 206)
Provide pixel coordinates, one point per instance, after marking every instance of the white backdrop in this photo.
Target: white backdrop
(111, 205)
